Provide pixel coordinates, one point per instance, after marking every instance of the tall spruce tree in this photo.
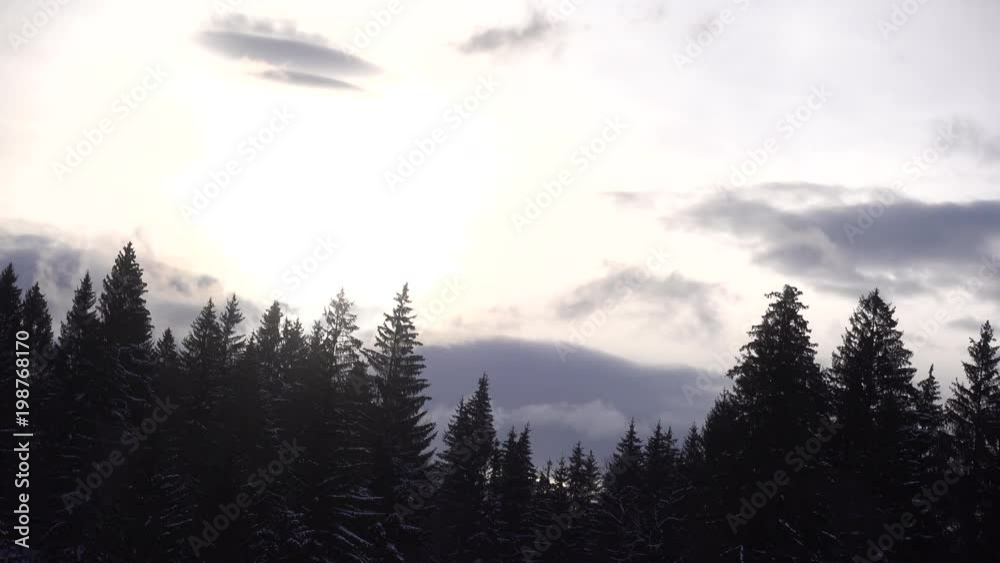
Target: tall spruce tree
(932, 534)
(660, 509)
(402, 448)
(693, 476)
(36, 319)
(127, 331)
(780, 399)
(974, 420)
(875, 403)
(465, 511)
(168, 505)
(69, 425)
(196, 477)
(233, 343)
(583, 484)
(719, 527)
(514, 485)
(619, 517)
(330, 480)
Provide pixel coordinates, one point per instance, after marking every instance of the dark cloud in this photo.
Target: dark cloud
(295, 57)
(497, 38)
(283, 52)
(907, 246)
(305, 79)
(590, 397)
(41, 259)
(638, 286)
(174, 299)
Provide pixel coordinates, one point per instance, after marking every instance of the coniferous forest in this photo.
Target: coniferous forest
(293, 442)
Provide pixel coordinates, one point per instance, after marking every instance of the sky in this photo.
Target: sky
(616, 183)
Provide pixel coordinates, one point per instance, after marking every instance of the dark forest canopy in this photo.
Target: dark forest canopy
(285, 442)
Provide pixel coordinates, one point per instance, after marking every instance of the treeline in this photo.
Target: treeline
(282, 443)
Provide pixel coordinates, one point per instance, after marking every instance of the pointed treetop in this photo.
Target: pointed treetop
(122, 304)
(36, 318)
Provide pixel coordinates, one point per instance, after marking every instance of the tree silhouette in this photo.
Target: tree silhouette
(284, 443)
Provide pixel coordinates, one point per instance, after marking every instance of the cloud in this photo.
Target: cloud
(623, 285)
(593, 419)
(305, 79)
(590, 397)
(497, 38)
(293, 56)
(175, 296)
(910, 247)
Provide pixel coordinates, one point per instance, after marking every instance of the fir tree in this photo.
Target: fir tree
(464, 498)
(583, 483)
(328, 486)
(874, 402)
(619, 515)
(932, 530)
(973, 416)
(402, 436)
(69, 426)
(514, 485)
(126, 385)
(233, 343)
(36, 319)
(780, 400)
(662, 489)
(122, 306)
(196, 476)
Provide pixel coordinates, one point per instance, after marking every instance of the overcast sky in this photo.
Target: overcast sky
(627, 176)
